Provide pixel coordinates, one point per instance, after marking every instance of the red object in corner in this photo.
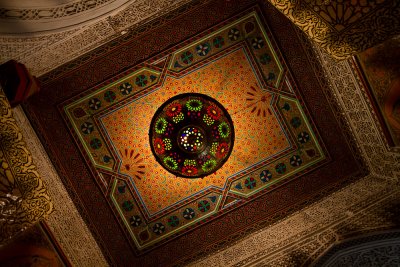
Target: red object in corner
(17, 83)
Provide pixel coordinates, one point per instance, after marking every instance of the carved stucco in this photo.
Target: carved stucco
(65, 223)
(55, 18)
(44, 51)
(345, 27)
(24, 199)
(376, 249)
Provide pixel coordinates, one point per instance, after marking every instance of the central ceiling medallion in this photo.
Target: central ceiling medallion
(191, 135)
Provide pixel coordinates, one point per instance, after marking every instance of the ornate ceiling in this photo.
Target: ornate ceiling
(293, 144)
(97, 116)
(237, 65)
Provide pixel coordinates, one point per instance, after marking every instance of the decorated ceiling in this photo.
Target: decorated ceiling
(237, 65)
(289, 149)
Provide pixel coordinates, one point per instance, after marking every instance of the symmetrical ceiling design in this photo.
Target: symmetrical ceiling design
(93, 116)
(237, 65)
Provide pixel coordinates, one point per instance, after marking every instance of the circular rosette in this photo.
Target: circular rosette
(189, 170)
(191, 135)
(214, 112)
(222, 150)
(159, 146)
(173, 109)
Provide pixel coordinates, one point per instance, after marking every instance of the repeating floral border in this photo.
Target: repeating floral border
(24, 199)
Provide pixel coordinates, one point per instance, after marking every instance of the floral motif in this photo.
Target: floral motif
(189, 170)
(194, 114)
(178, 118)
(133, 163)
(187, 57)
(189, 213)
(189, 162)
(257, 43)
(203, 49)
(280, 168)
(159, 146)
(295, 122)
(127, 205)
(171, 163)
(214, 112)
(173, 221)
(218, 41)
(224, 129)
(295, 161)
(214, 147)
(125, 88)
(173, 109)
(209, 165)
(265, 59)
(158, 228)
(265, 176)
(303, 137)
(194, 105)
(161, 126)
(94, 103)
(222, 150)
(250, 183)
(258, 100)
(135, 221)
(95, 143)
(203, 205)
(141, 80)
(87, 127)
(233, 34)
(110, 96)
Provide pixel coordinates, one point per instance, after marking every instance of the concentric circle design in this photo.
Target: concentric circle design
(191, 135)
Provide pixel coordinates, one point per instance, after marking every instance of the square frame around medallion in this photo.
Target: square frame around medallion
(238, 64)
(220, 209)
